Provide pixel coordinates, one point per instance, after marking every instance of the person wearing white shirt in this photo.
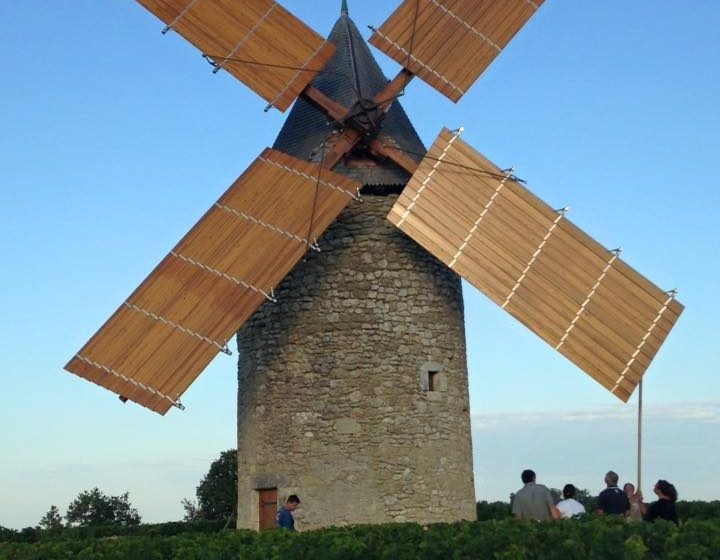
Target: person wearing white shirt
(569, 507)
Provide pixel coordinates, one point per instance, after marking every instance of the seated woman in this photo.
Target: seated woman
(664, 508)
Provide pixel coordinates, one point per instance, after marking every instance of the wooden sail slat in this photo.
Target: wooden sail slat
(614, 337)
(170, 328)
(257, 41)
(546, 323)
(596, 253)
(531, 260)
(449, 43)
(608, 324)
(469, 189)
(492, 282)
(595, 257)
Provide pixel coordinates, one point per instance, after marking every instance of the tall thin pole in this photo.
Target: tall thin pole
(639, 437)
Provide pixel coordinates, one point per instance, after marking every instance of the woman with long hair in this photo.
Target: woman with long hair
(664, 507)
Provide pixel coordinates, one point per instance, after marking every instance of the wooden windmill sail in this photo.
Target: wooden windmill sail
(474, 217)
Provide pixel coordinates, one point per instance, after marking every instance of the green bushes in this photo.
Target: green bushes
(593, 538)
(698, 510)
(492, 510)
(35, 534)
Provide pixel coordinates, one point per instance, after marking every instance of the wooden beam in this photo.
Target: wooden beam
(334, 110)
(381, 147)
(393, 90)
(343, 143)
(349, 136)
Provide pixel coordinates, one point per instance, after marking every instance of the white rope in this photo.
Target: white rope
(244, 38)
(130, 380)
(420, 62)
(222, 347)
(169, 26)
(489, 203)
(466, 24)
(616, 254)
(673, 293)
(223, 275)
(534, 256)
(276, 229)
(425, 183)
(308, 177)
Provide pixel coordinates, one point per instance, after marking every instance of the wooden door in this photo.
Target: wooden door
(267, 503)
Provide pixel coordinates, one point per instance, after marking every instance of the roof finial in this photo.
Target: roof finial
(344, 8)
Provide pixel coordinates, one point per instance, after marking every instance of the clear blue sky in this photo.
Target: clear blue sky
(115, 139)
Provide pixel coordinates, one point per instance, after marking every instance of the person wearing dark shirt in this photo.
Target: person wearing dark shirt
(664, 508)
(284, 518)
(612, 500)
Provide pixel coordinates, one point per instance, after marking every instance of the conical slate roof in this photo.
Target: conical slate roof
(350, 76)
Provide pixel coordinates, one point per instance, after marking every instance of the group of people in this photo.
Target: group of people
(534, 501)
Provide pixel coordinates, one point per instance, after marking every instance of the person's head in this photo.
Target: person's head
(665, 490)
(292, 502)
(611, 478)
(528, 476)
(629, 489)
(568, 491)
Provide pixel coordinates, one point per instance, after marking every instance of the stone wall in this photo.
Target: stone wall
(333, 399)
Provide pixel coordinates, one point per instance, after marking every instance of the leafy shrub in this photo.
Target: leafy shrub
(95, 508)
(33, 534)
(590, 538)
(492, 510)
(217, 492)
(6, 534)
(698, 510)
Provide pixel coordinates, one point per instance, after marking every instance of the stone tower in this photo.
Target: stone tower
(353, 387)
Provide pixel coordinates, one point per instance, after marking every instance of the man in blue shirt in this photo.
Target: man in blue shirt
(284, 517)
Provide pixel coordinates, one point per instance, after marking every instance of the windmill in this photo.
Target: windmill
(352, 372)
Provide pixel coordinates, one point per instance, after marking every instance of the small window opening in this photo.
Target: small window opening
(433, 378)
